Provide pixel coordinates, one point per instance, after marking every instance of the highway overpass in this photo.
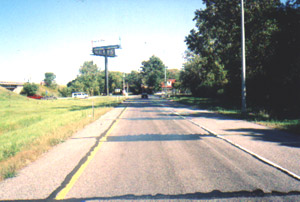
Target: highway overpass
(12, 86)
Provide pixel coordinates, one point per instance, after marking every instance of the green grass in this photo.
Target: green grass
(9, 172)
(230, 109)
(28, 125)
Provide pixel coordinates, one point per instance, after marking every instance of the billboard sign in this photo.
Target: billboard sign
(104, 51)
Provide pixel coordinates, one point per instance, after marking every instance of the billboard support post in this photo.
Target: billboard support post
(106, 75)
(106, 51)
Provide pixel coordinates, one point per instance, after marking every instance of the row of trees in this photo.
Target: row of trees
(213, 61)
(92, 80)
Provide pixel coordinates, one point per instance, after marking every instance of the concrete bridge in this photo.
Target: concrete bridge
(12, 86)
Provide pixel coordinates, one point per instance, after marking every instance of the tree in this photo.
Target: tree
(49, 79)
(88, 68)
(76, 85)
(272, 52)
(202, 78)
(216, 39)
(282, 72)
(135, 82)
(87, 80)
(65, 91)
(92, 81)
(115, 80)
(30, 89)
(173, 74)
(153, 73)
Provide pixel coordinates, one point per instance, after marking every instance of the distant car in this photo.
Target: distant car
(79, 95)
(49, 98)
(160, 93)
(38, 97)
(144, 96)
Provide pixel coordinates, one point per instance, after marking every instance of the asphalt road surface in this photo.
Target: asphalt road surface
(150, 153)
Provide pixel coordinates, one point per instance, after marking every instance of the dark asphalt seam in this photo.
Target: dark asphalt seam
(255, 195)
(256, 156)
(82, 161)
(213, 195)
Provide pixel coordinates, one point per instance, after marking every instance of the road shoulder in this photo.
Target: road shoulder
(40, 178)
(277, 146)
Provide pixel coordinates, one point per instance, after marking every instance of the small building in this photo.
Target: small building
(169, 84)
(168, 88)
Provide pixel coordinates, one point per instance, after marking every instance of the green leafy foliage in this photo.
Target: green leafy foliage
(134, 80)
(153, 73)
(50, 80)
(115, 80)
(173, 74)
(30, 89)
(65, 92)
(92, 81)
(88, 68)
(202, 77)
(272, 53)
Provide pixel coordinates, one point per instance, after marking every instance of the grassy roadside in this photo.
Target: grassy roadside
(30, 127)
(221, 107)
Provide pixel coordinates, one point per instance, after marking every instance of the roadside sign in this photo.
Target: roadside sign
(100, 51)
(106, 51)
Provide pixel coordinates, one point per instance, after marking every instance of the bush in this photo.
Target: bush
(65, 92)
(30, 89)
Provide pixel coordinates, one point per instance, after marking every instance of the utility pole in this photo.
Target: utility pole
(106, 74)
(165, 80)
(244, 106)
(123, 81)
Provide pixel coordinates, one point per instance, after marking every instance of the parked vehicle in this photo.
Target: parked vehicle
(38, 97)
(49, 98)
(79, 95)
(144, 96)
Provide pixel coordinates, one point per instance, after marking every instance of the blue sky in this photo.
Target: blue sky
(39, 36)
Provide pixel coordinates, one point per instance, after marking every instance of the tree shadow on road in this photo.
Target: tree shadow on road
(154, 137)
(203, 114)
(270, 135)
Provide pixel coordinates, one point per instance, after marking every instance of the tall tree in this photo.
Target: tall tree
(49, 79)
(91, 80)
(115, 80)
(282, 72)
(217, 38)
(88, 67)
(135, 82)
(272, 52)
(153, 73)
(201, 77)
(173, 74)
(88, 78)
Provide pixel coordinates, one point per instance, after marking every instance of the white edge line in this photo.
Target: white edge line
(290, 173)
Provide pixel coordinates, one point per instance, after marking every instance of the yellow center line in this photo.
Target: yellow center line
(62, 194)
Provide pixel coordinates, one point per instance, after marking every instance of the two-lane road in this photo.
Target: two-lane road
(151, 153)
